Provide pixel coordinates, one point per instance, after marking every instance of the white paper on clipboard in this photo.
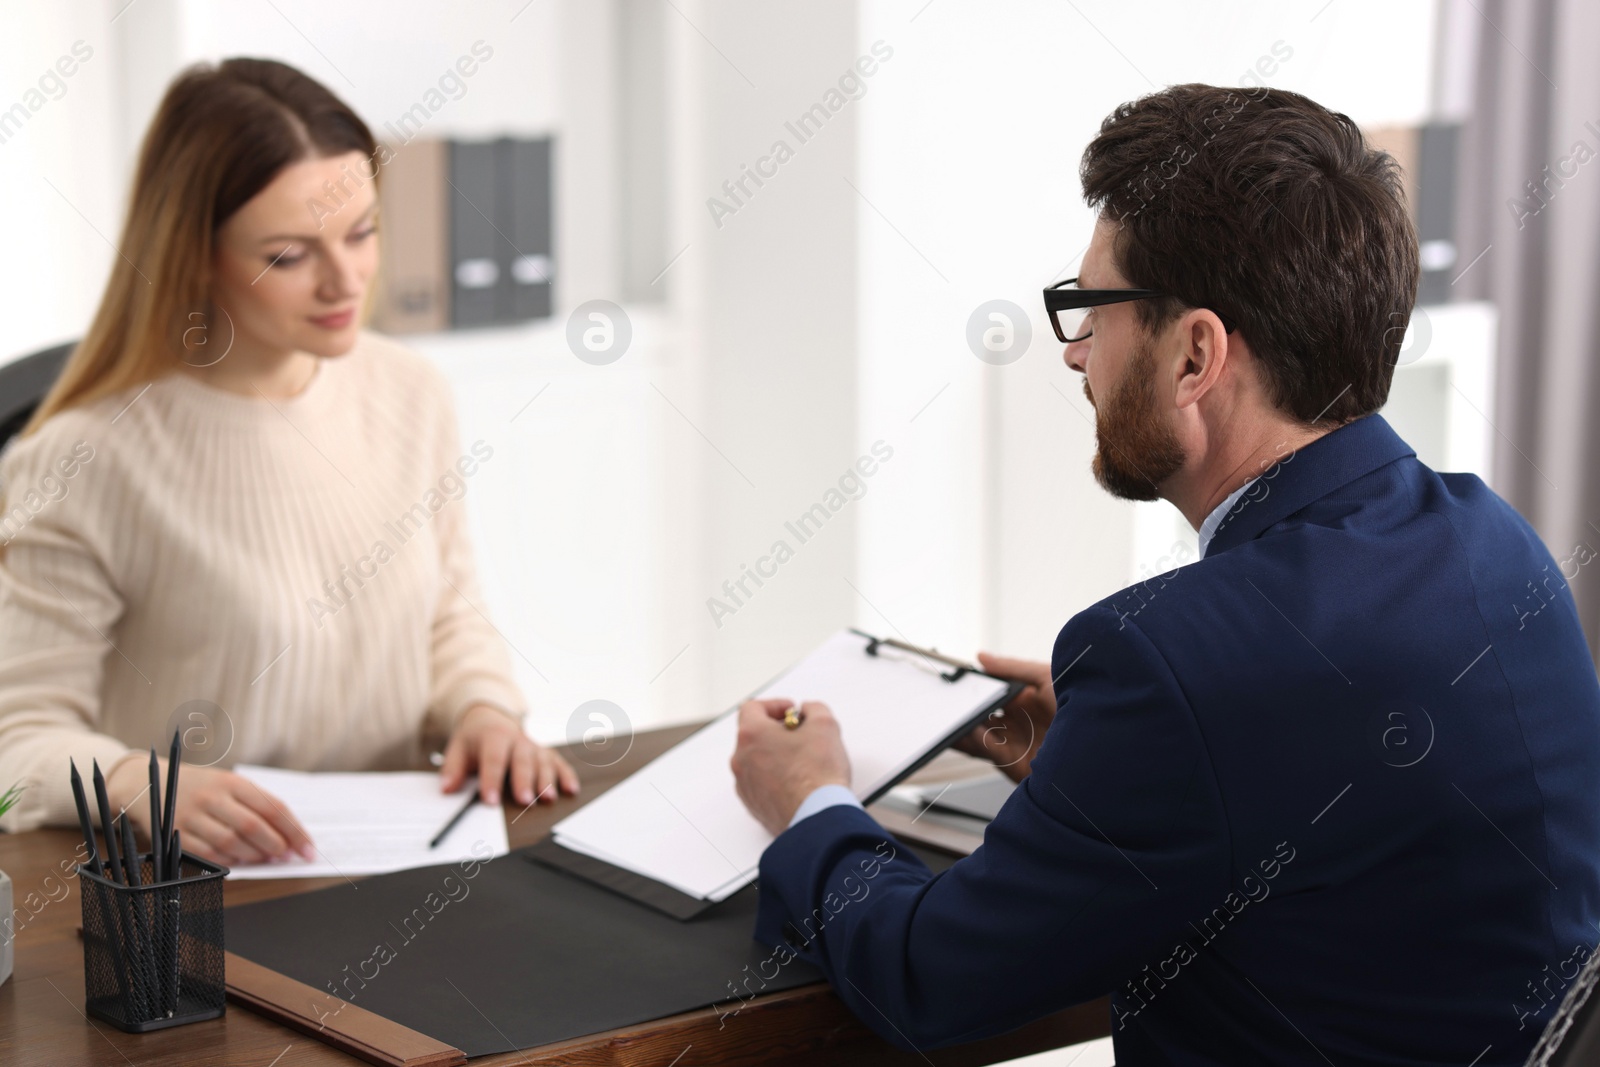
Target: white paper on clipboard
(678, 820)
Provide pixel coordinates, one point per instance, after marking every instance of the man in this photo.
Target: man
(1326, 795)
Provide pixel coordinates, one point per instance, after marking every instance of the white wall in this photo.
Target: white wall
(62, 212)
(767, 304)
(570, 519)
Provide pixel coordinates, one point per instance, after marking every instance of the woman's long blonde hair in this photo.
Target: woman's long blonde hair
(219, 137)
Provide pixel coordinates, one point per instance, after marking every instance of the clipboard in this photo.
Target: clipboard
(691, 845)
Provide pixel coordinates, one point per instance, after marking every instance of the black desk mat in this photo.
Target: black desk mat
(516, 956)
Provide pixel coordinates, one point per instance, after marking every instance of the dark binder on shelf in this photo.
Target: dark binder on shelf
(526, 250)
(414, 290)
(502, 261)
(480, 293)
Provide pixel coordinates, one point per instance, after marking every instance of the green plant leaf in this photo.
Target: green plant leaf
(8, 799)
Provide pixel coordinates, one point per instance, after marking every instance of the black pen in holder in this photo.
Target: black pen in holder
(152, 953)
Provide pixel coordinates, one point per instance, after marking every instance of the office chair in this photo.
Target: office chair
(1573, 1036)
(24, 382)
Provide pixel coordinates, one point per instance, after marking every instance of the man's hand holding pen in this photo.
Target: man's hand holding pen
(776, 766)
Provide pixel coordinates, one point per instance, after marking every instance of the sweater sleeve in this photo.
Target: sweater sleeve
(58, 613)
(470, 663)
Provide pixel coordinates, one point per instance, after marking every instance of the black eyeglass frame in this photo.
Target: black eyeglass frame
(1057, 299)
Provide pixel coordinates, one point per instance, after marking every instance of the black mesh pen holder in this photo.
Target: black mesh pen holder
(152, 954)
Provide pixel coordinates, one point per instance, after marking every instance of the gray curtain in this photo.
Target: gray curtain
(1534, 117)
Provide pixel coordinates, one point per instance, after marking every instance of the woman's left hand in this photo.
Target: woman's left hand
(490, 742)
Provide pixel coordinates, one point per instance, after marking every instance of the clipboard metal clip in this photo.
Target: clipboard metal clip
(960, 668)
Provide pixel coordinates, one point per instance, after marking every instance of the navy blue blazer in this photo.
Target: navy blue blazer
(1329, 795)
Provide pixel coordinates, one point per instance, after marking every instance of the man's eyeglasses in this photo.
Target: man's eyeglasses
(1069, 307)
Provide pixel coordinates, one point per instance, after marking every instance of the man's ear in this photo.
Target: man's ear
(1204, 355)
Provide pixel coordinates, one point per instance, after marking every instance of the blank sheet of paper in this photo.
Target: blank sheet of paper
(375, 822)
(679, 819)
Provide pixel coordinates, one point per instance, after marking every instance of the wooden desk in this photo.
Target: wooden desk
(42, 1022)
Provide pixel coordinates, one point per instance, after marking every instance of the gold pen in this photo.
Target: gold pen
(793, 717)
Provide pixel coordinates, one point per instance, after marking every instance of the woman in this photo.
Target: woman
(236, 513)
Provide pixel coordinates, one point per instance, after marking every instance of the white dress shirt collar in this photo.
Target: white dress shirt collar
(1208, 528)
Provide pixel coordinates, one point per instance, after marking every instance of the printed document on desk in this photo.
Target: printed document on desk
(375, 822)
(679, 820)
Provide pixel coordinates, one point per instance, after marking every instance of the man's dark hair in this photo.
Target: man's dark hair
(1272, 211)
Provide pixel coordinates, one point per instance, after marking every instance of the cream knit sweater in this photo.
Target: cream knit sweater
(302, 565)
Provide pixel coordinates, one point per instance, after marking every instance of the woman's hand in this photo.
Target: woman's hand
(225, 818)
(1011, 737)
(490, 741)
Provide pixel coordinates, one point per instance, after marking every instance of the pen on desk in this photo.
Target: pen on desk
(84, 821)
(168, 824)
(158, 864)
(106, 826)
(472, 798)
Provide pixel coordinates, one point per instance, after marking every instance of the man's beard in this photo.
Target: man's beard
(1136, 451)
